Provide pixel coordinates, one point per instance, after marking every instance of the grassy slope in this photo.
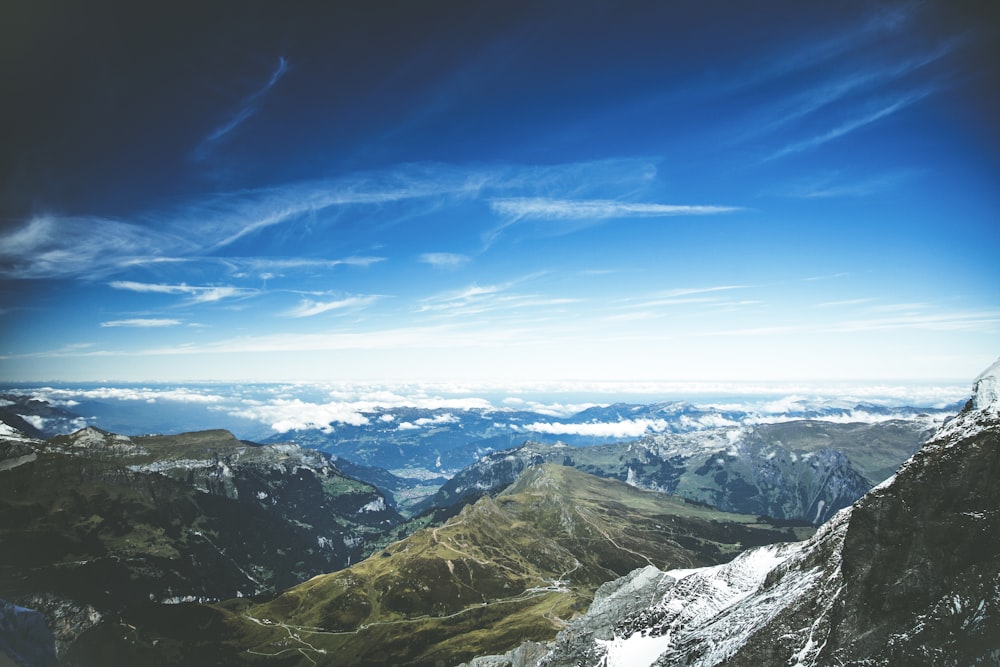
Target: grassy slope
(506, 569)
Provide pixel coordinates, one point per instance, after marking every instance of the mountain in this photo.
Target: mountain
(908, 575)
(408, 452)
(94, 522)
(516, 566)
(414, 442)
(801, 470)
(34, 418)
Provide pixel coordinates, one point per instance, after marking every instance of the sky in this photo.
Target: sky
(499, 191)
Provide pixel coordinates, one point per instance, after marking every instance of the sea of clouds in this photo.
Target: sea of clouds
(253, 410)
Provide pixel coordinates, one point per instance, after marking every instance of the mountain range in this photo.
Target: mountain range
(517, 565)
(410, 452)
(201, 548)
(908, 575)
(801, 470)
(443, 441)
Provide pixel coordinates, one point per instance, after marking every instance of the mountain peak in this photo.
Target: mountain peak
(981, 412)
(544, 477)
(986, 391)
(93, 440)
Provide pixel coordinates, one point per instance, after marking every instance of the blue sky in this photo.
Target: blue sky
(499, 192)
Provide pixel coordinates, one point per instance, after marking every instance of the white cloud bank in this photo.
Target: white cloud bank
(628, 428)
(437, 420)
(59, 396)
(284, 415)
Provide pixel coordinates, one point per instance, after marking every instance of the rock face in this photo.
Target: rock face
(909, 575)
(799, 470)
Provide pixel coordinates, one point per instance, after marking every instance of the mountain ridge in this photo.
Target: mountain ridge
(797, 470)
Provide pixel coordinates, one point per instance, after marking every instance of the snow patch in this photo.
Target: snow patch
(8, 431)
(819, 511)
(377, 505)
(986, 393)
(638, 650)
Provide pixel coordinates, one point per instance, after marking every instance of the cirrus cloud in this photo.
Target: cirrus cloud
(198, 294)
(602, 209)
(444, 260)
(142, 322)
(309, 308)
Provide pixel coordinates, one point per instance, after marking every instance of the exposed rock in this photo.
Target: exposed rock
(67, 619)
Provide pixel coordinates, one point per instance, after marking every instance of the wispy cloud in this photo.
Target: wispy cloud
(309, 308)
(847, 89)
(199, 229)
(142, 323)
(248, 108)
(831, 276)
(588, 211)
(478, 299)
(830, 186)
(229, 217)
(648, 306)
(685, 291)
(285, 263)
(60, 247)
(198, 294)
(974, 320)
(843, 302)
(981, 320)
(599, 209)
(474, 295)
(852, 125)
(444, 260)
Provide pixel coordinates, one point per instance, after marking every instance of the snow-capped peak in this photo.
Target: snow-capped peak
(982, 411)
(986, 393)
